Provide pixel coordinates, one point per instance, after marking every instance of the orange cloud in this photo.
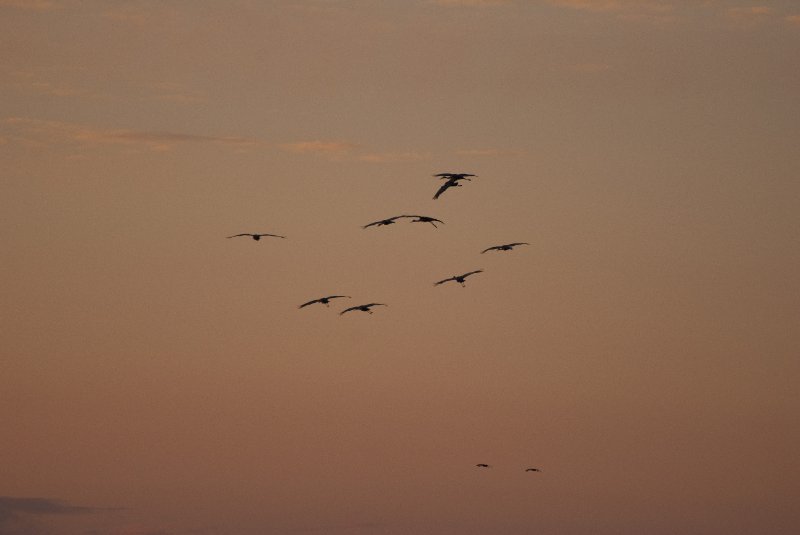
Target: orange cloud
(490, 152)
(331, 149)
(749, 13)
(43, 132)
(793, 19)
(631, 10)
(589, 5)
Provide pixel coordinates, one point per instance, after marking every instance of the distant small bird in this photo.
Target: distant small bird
(425, 219)
(458, 278)
(324, 300)
(506, 247)
(363, 308)
(532, 470)
(481, 465)
(456, 176)
(256, 236)
(388, 221)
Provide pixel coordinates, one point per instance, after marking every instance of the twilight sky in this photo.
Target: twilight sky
(157, 378)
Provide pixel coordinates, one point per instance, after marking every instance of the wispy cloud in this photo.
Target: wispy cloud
(32, 5)
(589, 5)
(793, 19)
(750, 17)
(490, 152)
(474, 3)
(330, 149)
(14, 511)
(749, 13)
(632, 10)
(42, 132)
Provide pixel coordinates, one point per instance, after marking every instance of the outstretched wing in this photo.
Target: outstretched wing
(472, 273)
(376, 304)
(273, 235)
(490, 249)
(237, 235)
(442, 189)
(310, 303)
(517, 243)
(443, 281)
(386, 221)
(348, 310)
(335, 296)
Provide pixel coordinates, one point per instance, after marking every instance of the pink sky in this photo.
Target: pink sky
(642, 351)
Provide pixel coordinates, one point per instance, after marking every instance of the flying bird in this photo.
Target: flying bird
(481, 465)
(323, 300)
(425, 219)
(363, 308)
(532, 470)
(456, 176)
(506, 247)
(451, 183)
(256, 236)
(382, 222)
(458, 278)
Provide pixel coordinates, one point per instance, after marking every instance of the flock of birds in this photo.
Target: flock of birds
(451, 181)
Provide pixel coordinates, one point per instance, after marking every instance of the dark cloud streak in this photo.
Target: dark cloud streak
(11, 508)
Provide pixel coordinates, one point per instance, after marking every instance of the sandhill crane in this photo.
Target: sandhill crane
(532, 470)
(363, 308)
(324, 300)
(458, 278)
(425, 219)
(451, 183)
(388, 221)
(506, 247)
(481, 465)
(256, 236)
(456, 176)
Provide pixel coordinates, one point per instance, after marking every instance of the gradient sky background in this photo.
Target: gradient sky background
(157, 378)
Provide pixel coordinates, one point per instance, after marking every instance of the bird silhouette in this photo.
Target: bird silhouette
(458, 278)
(456, 176)
(532, 470)
(324, 300)
(363, 308)
(382, 222)
(451, 183)
(506, 247)
(256, 236)
(425, 219)
(481, 465)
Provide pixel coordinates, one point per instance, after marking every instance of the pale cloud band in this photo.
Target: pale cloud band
(32, 132)
(43, 132)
